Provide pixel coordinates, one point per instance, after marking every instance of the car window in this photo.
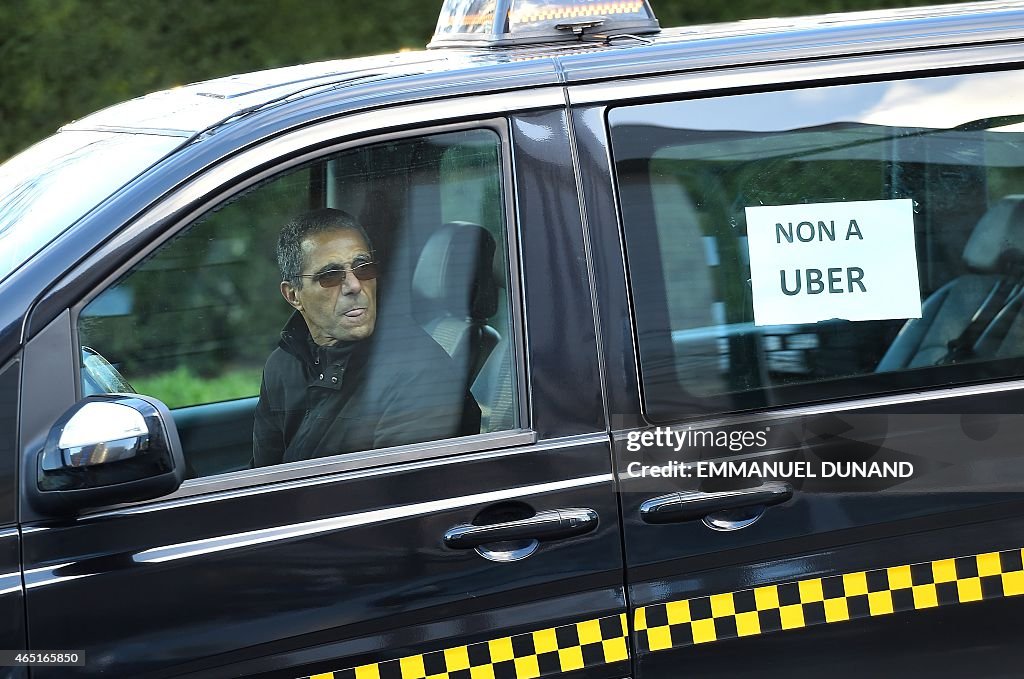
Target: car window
(389, 326)
(825, 242)
(83, 168)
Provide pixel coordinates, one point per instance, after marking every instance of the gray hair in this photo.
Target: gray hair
(290, 258)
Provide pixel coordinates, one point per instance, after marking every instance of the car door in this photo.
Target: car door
(879, 531)
(488, 552)
(12, 592)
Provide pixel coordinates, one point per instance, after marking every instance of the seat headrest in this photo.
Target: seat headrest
(997, 242)
(454, 272)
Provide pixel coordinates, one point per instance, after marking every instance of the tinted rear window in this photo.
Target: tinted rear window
(932, 170)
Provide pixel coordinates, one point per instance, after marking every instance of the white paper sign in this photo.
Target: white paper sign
(818, 261)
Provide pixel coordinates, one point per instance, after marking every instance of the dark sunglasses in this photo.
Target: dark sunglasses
(332, 278)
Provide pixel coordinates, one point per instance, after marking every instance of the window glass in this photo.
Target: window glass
(822, 243)
(388, 325)
(83, 168)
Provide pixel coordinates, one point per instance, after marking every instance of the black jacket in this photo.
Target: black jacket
(397, 386)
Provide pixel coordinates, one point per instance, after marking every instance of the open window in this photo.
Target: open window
(193, 323)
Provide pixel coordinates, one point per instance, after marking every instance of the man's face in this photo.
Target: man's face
(347, 312)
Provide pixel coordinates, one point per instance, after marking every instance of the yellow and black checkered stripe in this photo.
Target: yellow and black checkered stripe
(590, 9)
(676, 624)
(838, 598)
(522, 656)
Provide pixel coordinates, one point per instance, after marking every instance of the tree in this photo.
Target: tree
(62, 59)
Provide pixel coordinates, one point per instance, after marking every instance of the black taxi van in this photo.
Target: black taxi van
(733, 317)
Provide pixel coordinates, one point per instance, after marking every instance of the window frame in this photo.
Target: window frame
(240, 173)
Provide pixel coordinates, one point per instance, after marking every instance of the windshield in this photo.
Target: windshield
(49, 187)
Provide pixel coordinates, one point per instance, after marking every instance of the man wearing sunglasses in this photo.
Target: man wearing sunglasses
(345, 377)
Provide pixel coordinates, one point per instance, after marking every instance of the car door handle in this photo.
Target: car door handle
(550, 524)
(690, 506)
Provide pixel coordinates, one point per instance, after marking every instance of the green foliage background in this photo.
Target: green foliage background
(62, 59)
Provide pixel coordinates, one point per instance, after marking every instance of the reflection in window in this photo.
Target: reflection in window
(83, 168)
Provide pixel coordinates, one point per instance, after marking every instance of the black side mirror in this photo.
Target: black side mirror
(108, 449)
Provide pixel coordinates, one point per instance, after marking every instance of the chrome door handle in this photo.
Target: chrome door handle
(551, 524)
(691, 506)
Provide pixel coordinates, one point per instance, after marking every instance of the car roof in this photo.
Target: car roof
(191, 110)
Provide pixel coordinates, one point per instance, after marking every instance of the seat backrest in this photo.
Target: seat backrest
(454, 294)
(961, 310)
(997, 242)
(494, 390)
(494, 387)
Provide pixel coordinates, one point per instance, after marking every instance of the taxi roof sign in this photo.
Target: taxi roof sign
(502, 23)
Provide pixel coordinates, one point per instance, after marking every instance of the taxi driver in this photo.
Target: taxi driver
(344, 377)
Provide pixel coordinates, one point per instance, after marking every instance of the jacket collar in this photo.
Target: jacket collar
(325, 366)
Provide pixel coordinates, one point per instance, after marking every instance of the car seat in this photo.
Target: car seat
(955, 317)
(494, 388)
(454, 294)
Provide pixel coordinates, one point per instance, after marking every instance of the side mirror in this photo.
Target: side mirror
(108, 449)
